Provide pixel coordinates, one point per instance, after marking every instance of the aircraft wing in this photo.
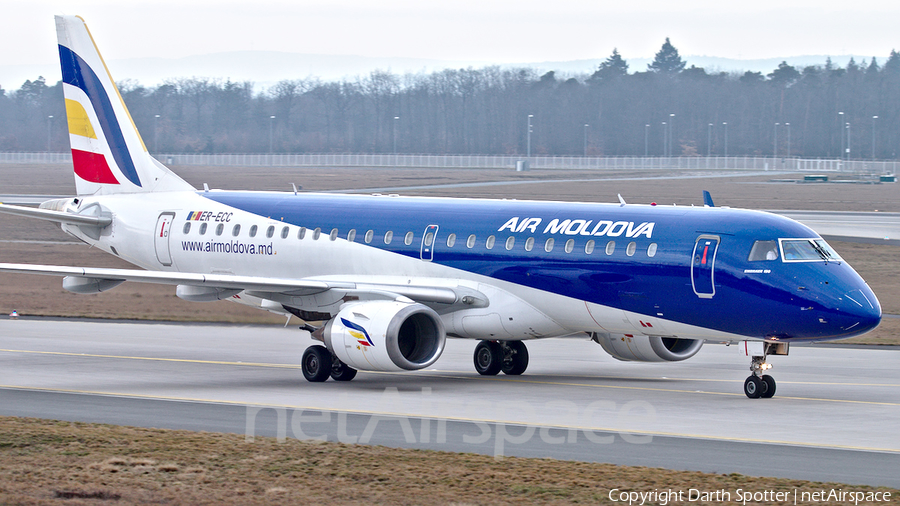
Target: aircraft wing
(262, 285)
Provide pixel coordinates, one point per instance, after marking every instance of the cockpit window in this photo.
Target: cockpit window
(763, 250)
(807, 250)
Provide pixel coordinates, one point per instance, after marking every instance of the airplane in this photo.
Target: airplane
(386, 279)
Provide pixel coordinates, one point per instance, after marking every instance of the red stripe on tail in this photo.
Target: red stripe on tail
(92, 167)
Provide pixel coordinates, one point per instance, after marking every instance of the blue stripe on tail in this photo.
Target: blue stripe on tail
(76, 72)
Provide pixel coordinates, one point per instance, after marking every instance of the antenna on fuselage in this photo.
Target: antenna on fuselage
(707, 199)
(621, 200)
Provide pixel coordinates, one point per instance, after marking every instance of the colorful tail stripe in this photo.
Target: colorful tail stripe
(92, 167)
(76, 72)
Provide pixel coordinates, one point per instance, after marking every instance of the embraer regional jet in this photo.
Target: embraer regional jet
(388, 278)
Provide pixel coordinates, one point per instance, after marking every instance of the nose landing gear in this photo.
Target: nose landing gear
(759, 384)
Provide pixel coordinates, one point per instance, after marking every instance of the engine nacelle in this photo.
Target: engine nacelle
(386, 336)
(648, 348)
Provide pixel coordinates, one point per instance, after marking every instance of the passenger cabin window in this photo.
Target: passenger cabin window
(470, 242)
(429, 238)
(388, 236)
(187, 227)
(369, 236)
(589, 247)
(316, 233)
(763, 250)
(631, 248)
(270, 231)
(529, 244)
(570, 245)
(807, 250)
(236, 230)
(407, 240)
(253, 230)
(610, 247)
(203, 228)
(220, 228)
(300, 233)
(548, 246)
(489, 244)
(651, 250)
(333, 235)
(351, 235)
(451, 240)
(284, 232)
(510, 242)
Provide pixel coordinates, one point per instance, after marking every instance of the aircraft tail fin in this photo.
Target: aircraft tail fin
(108, 153)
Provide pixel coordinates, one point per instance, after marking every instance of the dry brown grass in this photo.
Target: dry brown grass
(45, 462)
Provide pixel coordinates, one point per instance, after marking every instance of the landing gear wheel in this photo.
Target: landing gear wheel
(753, 387)
(488, 358)
(341, 371)
(316, 364)
(768, 387)
(515, 358)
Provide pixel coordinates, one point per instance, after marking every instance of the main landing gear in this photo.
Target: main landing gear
(491, 357)
(318, 364)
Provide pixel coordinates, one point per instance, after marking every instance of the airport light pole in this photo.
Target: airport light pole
(873, 136)
(775, 152)
(788, 125)
(49, 131)
(725, 124)
(841, 131)
(271, 139)
(156, 133)
(396, 119)
(665, 139)
(848, 141)
(528, 148)
(709, 140)
(585, 138)
(646, 137)
(671, 133)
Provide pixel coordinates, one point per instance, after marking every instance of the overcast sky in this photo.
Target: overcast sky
(502, 31)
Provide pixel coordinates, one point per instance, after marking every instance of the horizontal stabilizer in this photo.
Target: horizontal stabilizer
(57, 216)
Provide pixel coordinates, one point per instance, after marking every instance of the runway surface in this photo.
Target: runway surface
(834, 416)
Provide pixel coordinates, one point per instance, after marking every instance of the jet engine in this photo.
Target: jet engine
(647, 348)
(385, 336)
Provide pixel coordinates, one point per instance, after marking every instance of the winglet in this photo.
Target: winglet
(707, 199)
(621, 200)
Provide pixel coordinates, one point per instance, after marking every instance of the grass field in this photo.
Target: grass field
(45, 462)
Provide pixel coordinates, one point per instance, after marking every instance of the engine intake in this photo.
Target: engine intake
(386, 336)
(648, 348)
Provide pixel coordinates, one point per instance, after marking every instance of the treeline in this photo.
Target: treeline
(666, 108)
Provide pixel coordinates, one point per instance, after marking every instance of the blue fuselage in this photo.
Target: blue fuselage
(683, 264)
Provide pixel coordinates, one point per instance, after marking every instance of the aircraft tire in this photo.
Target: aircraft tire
(769, 387)
(517, 361)
(342, 372)
(316, 364)
(488, 358)
(753, 387)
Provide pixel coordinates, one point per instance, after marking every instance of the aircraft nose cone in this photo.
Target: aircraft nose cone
(861, 311)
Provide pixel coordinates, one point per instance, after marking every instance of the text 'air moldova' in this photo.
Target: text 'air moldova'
(581, 227)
